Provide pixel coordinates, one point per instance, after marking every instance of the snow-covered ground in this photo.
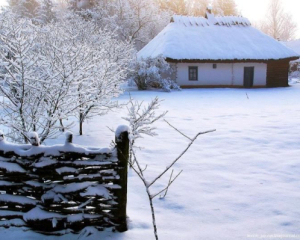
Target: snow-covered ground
(240, 182)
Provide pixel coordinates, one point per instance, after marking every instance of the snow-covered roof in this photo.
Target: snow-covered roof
(202, 22)
(214, 38)
(294, 45)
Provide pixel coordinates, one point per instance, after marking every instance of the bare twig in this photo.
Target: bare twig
(135, 165)
(145, 168)
(171, 183)
(177, 130)
(184, 151)
(141, 124)
(138, 164)
(167, 187)
(111, 129)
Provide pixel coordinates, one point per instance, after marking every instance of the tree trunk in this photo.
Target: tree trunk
(61, 125)
(80, 124)
(80, 128)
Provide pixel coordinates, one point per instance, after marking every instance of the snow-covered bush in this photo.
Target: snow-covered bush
(294, 72)
(153, 73)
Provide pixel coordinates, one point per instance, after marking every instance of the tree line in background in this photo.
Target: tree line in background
(135, 21)
(198, 7)
(140, 20)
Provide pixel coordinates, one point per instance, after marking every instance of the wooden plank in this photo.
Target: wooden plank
(277, 73)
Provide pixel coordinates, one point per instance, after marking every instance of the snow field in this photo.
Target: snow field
(242, 179)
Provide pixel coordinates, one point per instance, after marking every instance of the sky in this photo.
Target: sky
(2, 2)
(255, 10)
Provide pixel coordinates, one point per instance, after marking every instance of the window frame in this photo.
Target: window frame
(190, 73)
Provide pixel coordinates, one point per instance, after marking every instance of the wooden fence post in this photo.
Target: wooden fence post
(69, 137)
(34, 139)
(122, 142)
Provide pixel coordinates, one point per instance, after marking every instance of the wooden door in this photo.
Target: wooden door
(248, 76)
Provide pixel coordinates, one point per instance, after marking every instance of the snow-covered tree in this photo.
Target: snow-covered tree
(45, 12)
(81, 4)
(153, 73)
(29, 102)
(136, 21)
(66, 68)
(62, 4)
(24, 8)
(94, 60)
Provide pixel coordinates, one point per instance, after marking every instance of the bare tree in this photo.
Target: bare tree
(141, 120)
(225, 7)
(198, 7)
(175, 6)
(278, 23)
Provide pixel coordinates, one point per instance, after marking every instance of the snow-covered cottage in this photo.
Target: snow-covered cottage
(221, 52)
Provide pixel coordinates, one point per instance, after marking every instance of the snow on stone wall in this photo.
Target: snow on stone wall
(51, 188)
